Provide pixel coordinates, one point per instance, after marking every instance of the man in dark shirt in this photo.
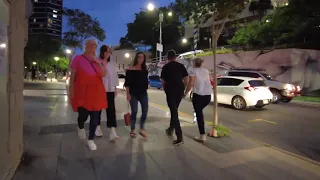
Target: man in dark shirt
(174, 78)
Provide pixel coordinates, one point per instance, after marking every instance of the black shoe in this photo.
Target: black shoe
(178, 142)
(169, 132)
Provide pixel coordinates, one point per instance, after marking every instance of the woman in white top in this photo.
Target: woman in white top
(110, 82)
(200, 83)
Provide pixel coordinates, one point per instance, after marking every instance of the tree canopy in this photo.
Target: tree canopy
(40, 48)
(81, 26)
(145, 28)
(286, 25)
(200, 11)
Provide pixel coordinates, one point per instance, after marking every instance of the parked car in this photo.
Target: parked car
(242, 92)
(155, 81)
(281, 91)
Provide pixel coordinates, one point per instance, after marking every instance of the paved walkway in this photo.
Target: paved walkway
(54, 151)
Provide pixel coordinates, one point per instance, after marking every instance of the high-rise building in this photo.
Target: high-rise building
(46, 18)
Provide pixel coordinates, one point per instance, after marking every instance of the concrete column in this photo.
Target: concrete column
(11, 87)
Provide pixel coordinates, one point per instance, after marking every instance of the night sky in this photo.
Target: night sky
(113, 14)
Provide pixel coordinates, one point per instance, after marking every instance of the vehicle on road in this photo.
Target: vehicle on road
(155, 81)
(242, 92)
(283, 92)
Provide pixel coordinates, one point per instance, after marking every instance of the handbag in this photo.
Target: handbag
(127, 117)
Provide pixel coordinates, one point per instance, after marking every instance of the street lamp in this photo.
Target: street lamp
(3, 45)
(184, 40)
(56, 59)
(68, 51)
(34, 63)
(127, 55)
(151, 7)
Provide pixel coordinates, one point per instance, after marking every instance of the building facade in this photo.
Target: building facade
(46, 18)
(244, 17)
(14, 16)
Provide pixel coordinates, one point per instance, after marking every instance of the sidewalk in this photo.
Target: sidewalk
(55, 152)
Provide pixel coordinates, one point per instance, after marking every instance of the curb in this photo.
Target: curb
(315, 104)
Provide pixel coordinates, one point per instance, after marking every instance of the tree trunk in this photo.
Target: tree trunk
(216, 32)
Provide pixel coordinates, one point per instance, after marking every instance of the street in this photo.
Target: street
(291, 127)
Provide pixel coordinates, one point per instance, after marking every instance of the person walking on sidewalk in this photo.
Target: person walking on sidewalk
(110, 82)
(202, 89)
(136, 84)
(174, 78)
(87, 93)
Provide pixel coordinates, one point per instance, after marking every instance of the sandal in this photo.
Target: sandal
(133, 134)
(143, 134)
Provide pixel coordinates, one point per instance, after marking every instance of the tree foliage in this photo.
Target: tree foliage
(40, 48)
(145, 28)
(219, 11)
(81, 26)
(286, 25)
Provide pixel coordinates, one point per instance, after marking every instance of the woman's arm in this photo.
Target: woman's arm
(190, 84)
(127, 83)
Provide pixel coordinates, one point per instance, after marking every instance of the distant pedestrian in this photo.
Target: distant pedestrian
(86, 92)
(110, 82)
(174, 77)
(33, 73)
(202, 89)
(136, 84)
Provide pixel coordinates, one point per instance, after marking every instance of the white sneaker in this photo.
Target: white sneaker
(82, 133)
(99, 131)
(113, 134)
(92, 146)
(201, 139)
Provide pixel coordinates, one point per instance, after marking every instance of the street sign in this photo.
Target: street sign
(159, 47)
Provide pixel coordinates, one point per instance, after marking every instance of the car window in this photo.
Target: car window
(225, 82)
(244, 74)
(256, 83)
(154, 78)
(229, 82)
(236, 82)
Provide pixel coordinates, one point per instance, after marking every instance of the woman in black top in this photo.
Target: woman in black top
(136, 84)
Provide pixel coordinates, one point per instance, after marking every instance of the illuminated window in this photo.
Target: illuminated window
(55, 11)
(34, 20)
(35, 0)
(54, 15)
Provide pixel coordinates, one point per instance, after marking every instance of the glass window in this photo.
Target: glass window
(256, 83)
(229, 82)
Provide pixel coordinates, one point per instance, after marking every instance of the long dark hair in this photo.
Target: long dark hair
(143, 65)
(103, 49)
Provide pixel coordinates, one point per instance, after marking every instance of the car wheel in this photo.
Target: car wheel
(276, 96)
(286, 100)
(238, 103)
(259, 106)
(191, 94)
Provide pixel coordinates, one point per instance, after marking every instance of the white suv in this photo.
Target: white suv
(281, 91)
(242, 92)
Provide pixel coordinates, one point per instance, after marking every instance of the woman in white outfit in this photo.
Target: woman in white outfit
(110, 82)
(200, 83)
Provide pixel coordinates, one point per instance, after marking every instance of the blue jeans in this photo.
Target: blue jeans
(143, 99)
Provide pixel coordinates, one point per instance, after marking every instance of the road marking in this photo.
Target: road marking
(262, 120)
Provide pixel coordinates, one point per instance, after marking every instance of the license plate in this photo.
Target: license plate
(265, 101)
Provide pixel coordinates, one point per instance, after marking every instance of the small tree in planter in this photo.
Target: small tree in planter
(217, 11)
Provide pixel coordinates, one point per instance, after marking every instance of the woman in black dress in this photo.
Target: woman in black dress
(136, 84)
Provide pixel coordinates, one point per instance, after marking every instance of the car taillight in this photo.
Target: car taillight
(250, 88)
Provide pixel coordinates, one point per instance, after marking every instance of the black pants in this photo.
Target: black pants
(110, 111)
(94, 118)
(199, 103)
(173, 100)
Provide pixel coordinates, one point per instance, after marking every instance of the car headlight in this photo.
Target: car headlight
(288, 87)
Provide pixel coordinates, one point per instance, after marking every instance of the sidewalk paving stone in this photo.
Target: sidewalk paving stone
(62, 156)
